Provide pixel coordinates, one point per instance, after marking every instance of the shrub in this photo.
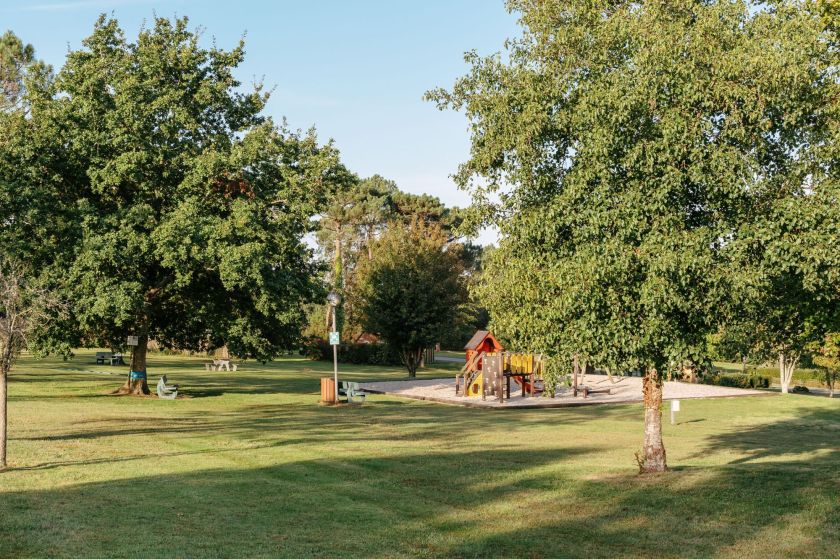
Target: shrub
(798, 375)
(368, 354)
(737, 380)
(319, 349)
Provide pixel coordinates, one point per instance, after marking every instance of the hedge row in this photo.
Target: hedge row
(737, 380)
(798, 374)
(319, 349)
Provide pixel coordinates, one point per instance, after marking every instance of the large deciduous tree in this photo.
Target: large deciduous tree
(411, 292)
(352, 221)
(189, 206)
(619, 148)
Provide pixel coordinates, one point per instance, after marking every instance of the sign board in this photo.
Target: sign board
(334, 338)
(132, 340)
(675, 405)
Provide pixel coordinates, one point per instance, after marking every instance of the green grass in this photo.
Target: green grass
(252, 466)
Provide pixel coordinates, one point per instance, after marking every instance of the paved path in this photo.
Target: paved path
(625, 389)
(447, 359)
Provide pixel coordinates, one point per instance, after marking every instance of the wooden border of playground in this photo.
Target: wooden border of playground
(540, 402)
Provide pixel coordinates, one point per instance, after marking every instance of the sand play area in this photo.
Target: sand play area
(622, 390)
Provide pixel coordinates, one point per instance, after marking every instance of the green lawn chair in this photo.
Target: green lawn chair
(351, 391)
(166, 392)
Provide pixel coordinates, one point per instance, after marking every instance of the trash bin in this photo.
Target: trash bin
(327, 390)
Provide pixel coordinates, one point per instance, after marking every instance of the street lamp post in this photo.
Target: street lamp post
(334, 299)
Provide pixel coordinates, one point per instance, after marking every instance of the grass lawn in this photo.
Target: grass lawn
(252, 466)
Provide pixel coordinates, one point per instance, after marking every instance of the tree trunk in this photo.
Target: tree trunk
(3, 417)
(5, 366)
(787, 364)
(136, 383)
(652, 459)
(411, 358)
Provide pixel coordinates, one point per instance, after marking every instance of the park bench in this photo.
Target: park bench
(587, 391)
(351, 391)
(166, 392)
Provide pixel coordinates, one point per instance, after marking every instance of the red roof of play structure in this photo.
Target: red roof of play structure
(479, 338)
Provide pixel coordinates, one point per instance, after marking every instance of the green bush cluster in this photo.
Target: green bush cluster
(798, 374)
(737, 380)
(319, 349)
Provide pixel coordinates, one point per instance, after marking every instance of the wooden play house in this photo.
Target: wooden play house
(483, 341)
(489, 369)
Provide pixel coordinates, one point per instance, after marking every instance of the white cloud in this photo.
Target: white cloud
(79, 5)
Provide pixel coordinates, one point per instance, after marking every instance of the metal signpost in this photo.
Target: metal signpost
(334, 299)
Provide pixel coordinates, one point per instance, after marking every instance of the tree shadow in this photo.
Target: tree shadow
(814, 430)
(481, 503)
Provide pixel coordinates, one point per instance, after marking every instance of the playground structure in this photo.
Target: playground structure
(489, 370)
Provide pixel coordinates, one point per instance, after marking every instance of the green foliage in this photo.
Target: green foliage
(411, 291)
(616, 148)
(555, 372)
(186, 207)
(319, 349)
(18, 65)
(737, 380)
(827, 357)
(357, 215)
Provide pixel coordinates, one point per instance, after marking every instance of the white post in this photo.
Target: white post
(675, 407)
(335, 357)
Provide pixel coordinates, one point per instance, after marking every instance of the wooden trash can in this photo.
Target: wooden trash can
(327, 390)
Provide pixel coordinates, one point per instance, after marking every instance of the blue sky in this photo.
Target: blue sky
(355, 69)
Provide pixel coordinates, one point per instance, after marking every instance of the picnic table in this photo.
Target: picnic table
(217, 364)
(112, 358)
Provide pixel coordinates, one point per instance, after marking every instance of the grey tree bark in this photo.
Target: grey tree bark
(787, 365)
(652, 458)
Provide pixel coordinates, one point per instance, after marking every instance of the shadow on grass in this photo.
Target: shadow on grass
(307, 422)
(813, 430)
(493, 503)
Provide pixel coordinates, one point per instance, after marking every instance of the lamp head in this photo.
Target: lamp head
(333, 298)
